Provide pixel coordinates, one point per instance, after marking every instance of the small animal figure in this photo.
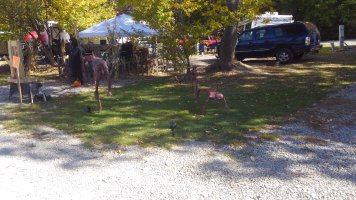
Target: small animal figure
(30, 89)
(213, 94)
(87, 109)
(173, 126)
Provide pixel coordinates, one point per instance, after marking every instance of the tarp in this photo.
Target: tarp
(124, 25)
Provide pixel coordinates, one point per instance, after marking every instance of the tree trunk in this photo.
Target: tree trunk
(187, 59)
(229, 39)
(227, 49)
(188, 63)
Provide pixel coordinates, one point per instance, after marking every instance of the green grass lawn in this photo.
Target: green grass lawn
(140, 113)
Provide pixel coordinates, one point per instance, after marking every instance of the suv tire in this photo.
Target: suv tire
(284, 55)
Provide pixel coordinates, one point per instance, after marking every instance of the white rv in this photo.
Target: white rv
(269, 18)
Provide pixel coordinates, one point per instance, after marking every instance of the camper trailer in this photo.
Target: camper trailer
(269, 18)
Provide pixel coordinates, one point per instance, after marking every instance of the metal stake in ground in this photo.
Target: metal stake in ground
(98, 98)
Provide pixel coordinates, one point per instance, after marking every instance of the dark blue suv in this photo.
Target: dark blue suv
(286, 42)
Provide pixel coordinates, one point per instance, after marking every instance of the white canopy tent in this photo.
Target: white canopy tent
(124, 25)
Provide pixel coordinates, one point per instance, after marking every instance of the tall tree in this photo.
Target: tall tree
(188, 20)
(229, 39)
(19, 17)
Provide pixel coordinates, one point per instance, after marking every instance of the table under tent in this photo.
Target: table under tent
(126, 44)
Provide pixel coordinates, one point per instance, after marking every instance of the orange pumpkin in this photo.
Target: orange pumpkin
(77, 83)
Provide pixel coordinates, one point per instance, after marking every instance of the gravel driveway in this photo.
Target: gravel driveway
(308, 162)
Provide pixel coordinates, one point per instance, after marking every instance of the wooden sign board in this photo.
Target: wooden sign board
(17, 68)
(15, 49)
(16, 62)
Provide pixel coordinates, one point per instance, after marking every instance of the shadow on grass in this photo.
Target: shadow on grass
(266, 162)
(140, 113)
(326, 57)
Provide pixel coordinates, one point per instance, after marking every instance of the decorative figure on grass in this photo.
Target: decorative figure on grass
(173, 126)
(213, 94)
(100, 68)
(87, 109)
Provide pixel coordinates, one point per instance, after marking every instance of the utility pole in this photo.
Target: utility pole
(341, 36)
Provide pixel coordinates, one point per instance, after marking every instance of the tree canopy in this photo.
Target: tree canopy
(19, 17)
(326, 14)
(189, 20)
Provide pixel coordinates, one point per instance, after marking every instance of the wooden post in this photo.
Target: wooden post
(15, 49)
(98, 98)
(16, 66)
(19, 85)
(332, 46)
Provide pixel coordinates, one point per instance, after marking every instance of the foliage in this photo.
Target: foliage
(21, 16)
(189, 20)
(326, 14)
(80, 14)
